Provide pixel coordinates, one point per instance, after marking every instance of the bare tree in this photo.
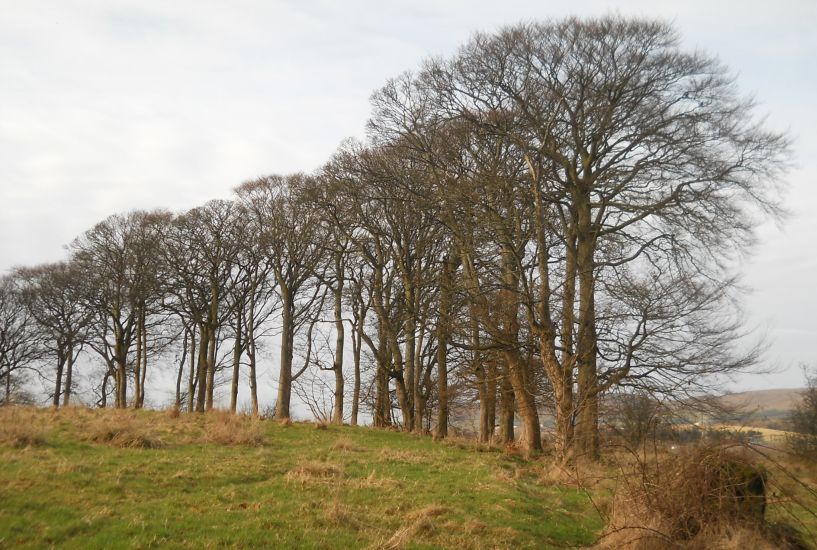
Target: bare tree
(636, 156)
(51, 293)
(292, 242)
(115, 259)
(201, 250)
(20, 341)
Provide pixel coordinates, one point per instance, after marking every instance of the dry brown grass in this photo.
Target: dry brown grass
(708, 497)
(346, 445)
(399, 455)
(313, 471)
(224, 428)
(20, 427)
(129, 428)
(373, 481)
(121, 429)
(419, 522)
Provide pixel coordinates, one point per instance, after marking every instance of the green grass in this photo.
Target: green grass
(340, 487)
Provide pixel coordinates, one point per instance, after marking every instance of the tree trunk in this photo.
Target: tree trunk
(587, 426)
(103, 400)
(337, 414)
(237, 344)
(144, 358)
(507, 409)
(282, 411)
(201, 367)
(137, 370)
(443, 328)
(357, 342)
(520, 377)
(178, 400)
(121, 377)
(382, 407)
(211, 366)
(69, 371)
(58, 383)
(251, 355)
(191, 376)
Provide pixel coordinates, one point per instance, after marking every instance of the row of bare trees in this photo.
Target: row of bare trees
(550, 215)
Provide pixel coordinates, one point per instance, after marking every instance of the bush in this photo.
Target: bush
(708, 492)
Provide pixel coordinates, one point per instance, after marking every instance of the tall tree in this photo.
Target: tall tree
(21, 344)
(640, 162)
(51, 293)
(115, 259)
(290, 235)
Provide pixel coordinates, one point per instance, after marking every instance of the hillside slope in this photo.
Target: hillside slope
(94, 479)
(764, 400)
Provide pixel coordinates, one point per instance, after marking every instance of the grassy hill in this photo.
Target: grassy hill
(91, 479)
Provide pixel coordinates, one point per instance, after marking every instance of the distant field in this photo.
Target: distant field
(140, 479)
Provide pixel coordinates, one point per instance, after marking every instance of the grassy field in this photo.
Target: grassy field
(141, 479)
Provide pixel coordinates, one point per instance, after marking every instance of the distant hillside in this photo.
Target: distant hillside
(764, 408)
(764, 400)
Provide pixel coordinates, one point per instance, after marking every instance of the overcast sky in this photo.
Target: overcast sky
(110, 106)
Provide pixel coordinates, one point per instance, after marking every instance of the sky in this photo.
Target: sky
(109, 106)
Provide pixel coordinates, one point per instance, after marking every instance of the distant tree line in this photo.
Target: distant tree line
(551, 214)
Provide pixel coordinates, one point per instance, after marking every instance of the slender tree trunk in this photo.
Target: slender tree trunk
(211, 366)
(201, 367)
(340, 335)
(144, 358)
(282, 411)
(58, 383)
(69, 371)
(120, 359)
(137, 370)
(253, 378)
(408, 399)
(357, 342)
(191, 375)
(237, 345)
(178, 400)
(103, 400)
(251, 356)
(443, 328)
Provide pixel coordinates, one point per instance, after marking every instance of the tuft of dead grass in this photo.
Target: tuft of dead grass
(121, 429)
(312, 471)
(345, 444)
(419, 522)
(373, 481)
(21, 427)
(399, 455)
(225, 428)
